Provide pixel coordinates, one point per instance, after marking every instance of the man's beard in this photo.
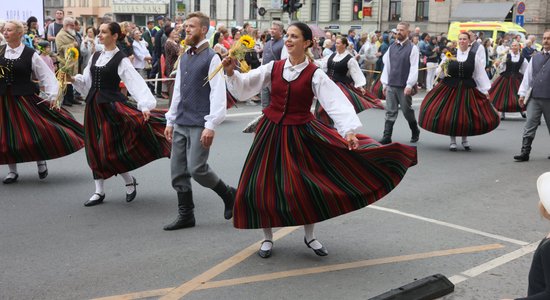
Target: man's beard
(193, 40)
(71, 31)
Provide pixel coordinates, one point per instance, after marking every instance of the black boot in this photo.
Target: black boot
(415, 131)
(388, 129)
(186, 217)
(227, 194)
(525, 149)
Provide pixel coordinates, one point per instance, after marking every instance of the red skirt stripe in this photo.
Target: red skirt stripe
(30, 131)
(459, 111)
(304, 174)
(119, 140)
(504, 92)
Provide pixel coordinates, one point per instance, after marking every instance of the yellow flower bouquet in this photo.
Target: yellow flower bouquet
(445, 65)
(238, 52)
(71, 59)
(183, 48)
(3, 71)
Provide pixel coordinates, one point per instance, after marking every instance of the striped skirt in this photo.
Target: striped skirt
(30, 131)
(457, 111)
(118, 139)
(504, 92)
(304, 174)
(377, 89)
(359, 101)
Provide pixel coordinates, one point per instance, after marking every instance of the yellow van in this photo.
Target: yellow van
(489, 29)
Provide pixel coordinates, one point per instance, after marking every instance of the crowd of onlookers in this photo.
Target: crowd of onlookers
(154, 49)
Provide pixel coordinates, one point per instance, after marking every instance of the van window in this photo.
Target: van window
(486, 33)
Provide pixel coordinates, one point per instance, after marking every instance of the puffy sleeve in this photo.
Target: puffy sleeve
(245, 86)
(83, 82)
(480, 76)
(45, 76)
(335, 103)
(356, 73)
(136, 85)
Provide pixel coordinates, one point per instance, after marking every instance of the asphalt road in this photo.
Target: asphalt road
(471, 216)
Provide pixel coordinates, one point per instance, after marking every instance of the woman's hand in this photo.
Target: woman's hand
(229, 66)
(353, 142)
(69, 78)
(146, 115)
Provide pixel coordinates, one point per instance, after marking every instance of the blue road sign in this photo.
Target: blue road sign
(520, 20)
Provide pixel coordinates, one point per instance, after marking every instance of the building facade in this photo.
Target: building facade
(88, 12)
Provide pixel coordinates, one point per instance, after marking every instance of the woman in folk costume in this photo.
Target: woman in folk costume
(299, 171)
(504, 90)
(458, 105)
(120, 136)
(29, 129)
(344, 70)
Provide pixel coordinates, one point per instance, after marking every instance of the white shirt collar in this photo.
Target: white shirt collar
(403, 42)
(18, 49)
(299, 67)
(201, 42)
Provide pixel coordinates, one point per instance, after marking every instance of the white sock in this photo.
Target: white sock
(465, 141)
(453, 139)
(41, 166)
(13, 170)
(268, 235)
(98, 189)
(128, 180)
(308, 229)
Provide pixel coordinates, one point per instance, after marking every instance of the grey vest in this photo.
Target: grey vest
(400, 64)
(272, 51)
(541, 77)
(194, 94)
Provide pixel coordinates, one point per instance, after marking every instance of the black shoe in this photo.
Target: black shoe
(67, 103)
(385, 140)
(229, 202)
(95, 202)
(186, 216)
(10, 180)
(321, 252)
(452, 147)
(181, 222)
(522, 157)
(466, 146)
(523, 115)
(265, 253)
(44, 174)
(132, 196)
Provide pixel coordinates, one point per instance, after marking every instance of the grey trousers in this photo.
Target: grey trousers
(189, 160)
(535, 109)
(266, 97)
(396, 97)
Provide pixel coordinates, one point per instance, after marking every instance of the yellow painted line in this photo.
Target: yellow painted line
(196, 282)
(201, 285)
(138, 295)
(346, 266)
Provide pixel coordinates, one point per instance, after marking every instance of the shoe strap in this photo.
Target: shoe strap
(99, 194)
(267, 241)
(309, 243)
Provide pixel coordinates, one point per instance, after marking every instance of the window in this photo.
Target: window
(422, 9)
(313, 10)
(357, 9)
(213, 9)
(335, 10)
(395, 10)
(253, 11)
(197, 5)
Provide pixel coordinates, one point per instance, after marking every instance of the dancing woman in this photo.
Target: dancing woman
(29, 129)
(119, 135)
(504, 90)
(458, 105)
(299, 171)
(344, 70)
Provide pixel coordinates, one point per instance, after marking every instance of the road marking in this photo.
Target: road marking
(499, 261)
(346, 266)
(459, 227)
(202, 285)
(194, 283)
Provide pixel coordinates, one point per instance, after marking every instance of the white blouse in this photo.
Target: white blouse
(515, 58)
(140, 53)
(483, 84)
(354, 70)
(335, 103)
(132, 80)
(527, 81)
(413, 71)
(40, 70)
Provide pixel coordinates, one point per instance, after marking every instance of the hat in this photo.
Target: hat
(394, 30)
(159, 18)
(543, 186)
(44, 44)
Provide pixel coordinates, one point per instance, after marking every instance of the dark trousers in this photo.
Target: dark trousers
(536, 107)
(69, 96)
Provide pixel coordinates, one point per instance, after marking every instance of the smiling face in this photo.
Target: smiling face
(514, 47)
(340, 46)
(106, 37)
(295, 42)
(463, 41)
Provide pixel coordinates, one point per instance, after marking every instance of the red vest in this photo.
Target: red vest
(290, 101)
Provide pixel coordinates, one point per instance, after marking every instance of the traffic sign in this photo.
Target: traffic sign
(521, 8)
(520, 20)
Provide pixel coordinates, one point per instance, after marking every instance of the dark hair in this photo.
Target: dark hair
(150, 22)
(305, 30)
(344, 40)
(114, 28)
(217, 37)
(30, 20)
(423, 36)
(168, 30)
(466, 33)
(93, 30)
